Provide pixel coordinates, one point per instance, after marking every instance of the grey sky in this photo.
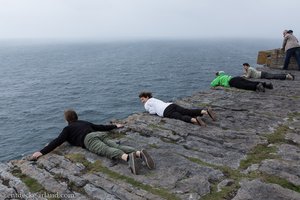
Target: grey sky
(109, 19)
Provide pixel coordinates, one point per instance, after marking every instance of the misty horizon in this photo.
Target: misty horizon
(142, 19)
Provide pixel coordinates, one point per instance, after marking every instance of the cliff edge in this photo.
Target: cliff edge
(250, 152)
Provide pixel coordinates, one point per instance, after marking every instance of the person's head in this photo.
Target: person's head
(144, 96)
(246, 65)
(219, 73)
(290, 31)
(285, 32)
(70, 116)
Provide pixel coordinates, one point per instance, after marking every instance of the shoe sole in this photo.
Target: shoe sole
(200, 122)
(133, 164)
(260, 88)
(211, 114)
(147, 159)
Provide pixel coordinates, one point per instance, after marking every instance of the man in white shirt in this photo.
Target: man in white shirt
(172, 110)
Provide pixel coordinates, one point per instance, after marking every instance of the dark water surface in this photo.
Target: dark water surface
(101, 81)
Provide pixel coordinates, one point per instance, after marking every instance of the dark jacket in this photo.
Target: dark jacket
(75, 133)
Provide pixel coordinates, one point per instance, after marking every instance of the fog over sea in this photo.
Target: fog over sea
(102, 80)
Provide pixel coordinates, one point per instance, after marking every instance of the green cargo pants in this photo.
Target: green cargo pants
(99, 143)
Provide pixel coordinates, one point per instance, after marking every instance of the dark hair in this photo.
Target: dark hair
(290, 31)
(70, 115)
(145, 94)
(246, 64)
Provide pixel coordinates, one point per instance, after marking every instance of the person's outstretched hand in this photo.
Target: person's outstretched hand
(119, 125)
(36, 155)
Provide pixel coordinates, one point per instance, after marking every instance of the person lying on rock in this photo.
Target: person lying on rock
(172, 110)
(225, 80)
(90, 136)
(250, 72)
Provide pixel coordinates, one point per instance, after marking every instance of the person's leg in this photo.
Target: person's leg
(187, 115)
(188, 112)
(267, 75)
(143, 154)
(177, 115)
(297, 56)
(287, 59)
(93, 142)
(113, 144)
(241, 83)
(171, 112)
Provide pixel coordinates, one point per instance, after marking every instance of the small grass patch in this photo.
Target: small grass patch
(258, 154)
(280, 181)
(278, 137)
(75, 188)
(227, 192)
(293, 115)
(168, 140)
(200, 162)
(227, 171)
(32, 184)
(295, 97)
(71, 184)
(154, 146)
(98, 167)
(267, 178)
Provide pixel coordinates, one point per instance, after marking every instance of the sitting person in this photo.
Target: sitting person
(172, 110)
(88, 135)
(225, 80)
(250, 72)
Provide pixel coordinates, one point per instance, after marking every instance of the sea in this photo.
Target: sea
(101, 80)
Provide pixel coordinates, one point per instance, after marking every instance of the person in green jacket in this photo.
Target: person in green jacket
(225, 80)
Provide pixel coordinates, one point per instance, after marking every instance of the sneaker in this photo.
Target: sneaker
(147, 159)
(293, 76)
(269, 86)
(132, 163)
(260, 88)
(200, 122)
(289, 77)
(211, 114)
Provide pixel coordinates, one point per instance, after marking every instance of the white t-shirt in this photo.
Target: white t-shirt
(156, 106)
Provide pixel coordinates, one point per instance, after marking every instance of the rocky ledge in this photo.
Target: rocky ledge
(251, 152)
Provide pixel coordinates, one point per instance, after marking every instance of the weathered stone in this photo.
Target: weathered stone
(275, 59)
(98, 193)
(284, 169)
(252, 190)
